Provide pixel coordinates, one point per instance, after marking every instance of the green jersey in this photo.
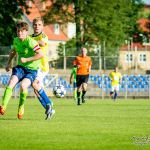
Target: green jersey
(74, 72)
(27, 48)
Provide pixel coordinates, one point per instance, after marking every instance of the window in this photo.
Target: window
(56, 28)
(142, 57)
(129, 57)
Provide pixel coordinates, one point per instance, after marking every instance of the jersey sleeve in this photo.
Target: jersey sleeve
(45, 38)
(34, 45)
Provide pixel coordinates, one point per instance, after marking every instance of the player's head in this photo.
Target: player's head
(83, 51)
(38, 24)
(22, 30)
(116, 69)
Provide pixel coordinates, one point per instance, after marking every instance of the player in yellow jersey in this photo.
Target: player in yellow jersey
(42, 40)
(116, 79)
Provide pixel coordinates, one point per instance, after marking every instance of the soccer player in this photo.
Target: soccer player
(29, 55)
(74, 76)
(83, 63)
(42, 40)
(116, 79)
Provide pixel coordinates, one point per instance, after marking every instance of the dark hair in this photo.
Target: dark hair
(22, 26)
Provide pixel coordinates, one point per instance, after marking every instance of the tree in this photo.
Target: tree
(97, 20)
(105, 22)
(10, 12)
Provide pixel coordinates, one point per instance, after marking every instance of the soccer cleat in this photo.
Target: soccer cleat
(2, 110)
(20, 116)
(20, 113)
(48, 109)
(83, 100)
(50, 114)
(78, 102)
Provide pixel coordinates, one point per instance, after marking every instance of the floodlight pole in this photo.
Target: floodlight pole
(64, 53)
(100, 62)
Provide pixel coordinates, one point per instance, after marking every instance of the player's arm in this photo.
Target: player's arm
(39, 54)
(90, 65)
(12, 54)
(110, 76)
(71, 77)
(43, 41)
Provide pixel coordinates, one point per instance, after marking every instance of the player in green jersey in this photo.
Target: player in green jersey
(29, 55)
(74, 76)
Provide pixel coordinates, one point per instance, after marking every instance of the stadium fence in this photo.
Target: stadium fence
(133, 86)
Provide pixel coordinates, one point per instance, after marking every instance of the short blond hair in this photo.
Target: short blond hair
(38, 19)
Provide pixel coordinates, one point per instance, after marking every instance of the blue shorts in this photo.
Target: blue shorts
(74, 84)
(22, 72)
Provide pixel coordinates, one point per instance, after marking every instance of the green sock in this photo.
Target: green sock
(23, 96)
(75, 94)
(80, 94)
(7, 96)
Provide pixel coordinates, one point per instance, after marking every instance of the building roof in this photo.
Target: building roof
(48, 29)
(142, 22)
(133, 46)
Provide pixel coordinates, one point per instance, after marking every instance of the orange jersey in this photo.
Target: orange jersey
(84, 64)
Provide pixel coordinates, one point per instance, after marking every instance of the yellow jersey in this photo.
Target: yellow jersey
(115, 78)
(44, 61)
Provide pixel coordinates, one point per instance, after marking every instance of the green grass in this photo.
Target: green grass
(96, 125)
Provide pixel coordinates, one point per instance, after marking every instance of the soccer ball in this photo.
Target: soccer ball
(59, 91)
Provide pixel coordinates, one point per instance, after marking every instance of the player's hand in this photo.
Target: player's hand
(23, 60)
(70, 82)
(8, 67)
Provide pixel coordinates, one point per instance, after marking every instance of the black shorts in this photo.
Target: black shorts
(82, 79)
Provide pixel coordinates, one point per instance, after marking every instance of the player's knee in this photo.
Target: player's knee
(24, 86)
(36, 86)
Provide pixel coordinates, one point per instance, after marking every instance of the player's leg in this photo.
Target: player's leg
(112, 91)
(41, 100)
(79, 89)
(84, 85)
(38, 85)
(75, 91)
(8, 93)
(44, 99)
(116, 92)
(38, 82)
(23, 94)
(17, 74)
(27, 79)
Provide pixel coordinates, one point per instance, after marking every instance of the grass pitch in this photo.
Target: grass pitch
(95, 125)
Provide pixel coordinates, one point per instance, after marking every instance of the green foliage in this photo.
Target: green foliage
(10, 12)
(102, 20)
(68, 51)
(98, 21)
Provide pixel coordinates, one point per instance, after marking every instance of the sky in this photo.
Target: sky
(146, 1)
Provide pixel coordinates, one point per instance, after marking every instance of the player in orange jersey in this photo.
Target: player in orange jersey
(83, 63)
